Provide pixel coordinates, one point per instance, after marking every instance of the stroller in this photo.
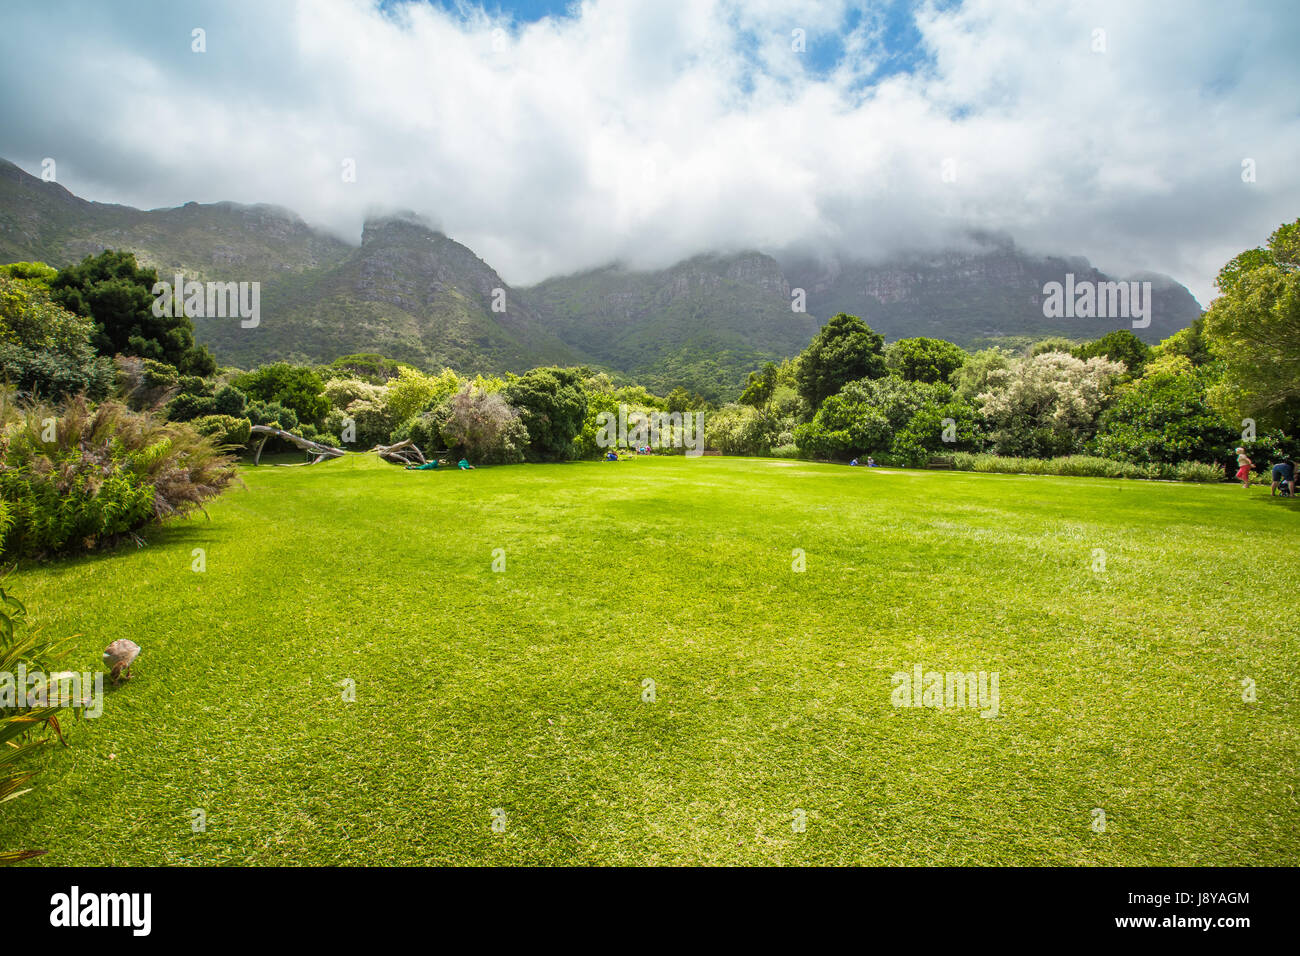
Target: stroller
(1284, 481)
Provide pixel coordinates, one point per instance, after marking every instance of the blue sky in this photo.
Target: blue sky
(900, 41)
(646, 131)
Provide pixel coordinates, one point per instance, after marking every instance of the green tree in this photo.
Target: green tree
(1118, 346)
(1046, 405)
(368, 366)
(45, 350)
(1254, 329)
(680, 400)
(760, 386)
(1056, 344)
(1189, 343)
(738, 430)
(923, 359)
(295, 387)
(845, 350)
(117, 295)
(412, 392)
(864, 416)
(936, 429)
(972, 379)
(482, 427)
(552, 404)
(1165, 416)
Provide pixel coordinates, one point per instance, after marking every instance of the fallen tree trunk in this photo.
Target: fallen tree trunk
(403, 453)
(322, 452)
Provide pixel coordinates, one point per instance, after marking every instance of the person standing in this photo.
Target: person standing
(1244, 466)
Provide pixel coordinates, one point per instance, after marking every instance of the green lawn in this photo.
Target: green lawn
(522, 690)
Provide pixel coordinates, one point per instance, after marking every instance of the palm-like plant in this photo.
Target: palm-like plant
(21, 724)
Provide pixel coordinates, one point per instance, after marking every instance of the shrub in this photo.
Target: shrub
(224, 429)
(1164, 416)
(188, 406)
(483, 427)
(145, 383)
(365, 423)
(864, 417)
(739, 430)
(272, 413)
(424, 430)
(229, 400)
(77, 477)
(325, 437)
(294, 387)
(935, 429)
(1085, 466)
(1196, 471)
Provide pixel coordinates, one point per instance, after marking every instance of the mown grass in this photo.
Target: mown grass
(522, 690)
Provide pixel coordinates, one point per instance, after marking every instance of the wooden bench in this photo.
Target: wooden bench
(940, 463)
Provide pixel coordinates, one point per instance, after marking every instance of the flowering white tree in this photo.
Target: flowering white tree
(1047, 404)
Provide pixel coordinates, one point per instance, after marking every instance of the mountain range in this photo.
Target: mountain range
(412, 293)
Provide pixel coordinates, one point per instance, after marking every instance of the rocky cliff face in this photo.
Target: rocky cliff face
(408, 292)
(703, 323)
(969, 296)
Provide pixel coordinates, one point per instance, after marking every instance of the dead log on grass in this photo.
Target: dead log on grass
(403, 453)
(322, 452)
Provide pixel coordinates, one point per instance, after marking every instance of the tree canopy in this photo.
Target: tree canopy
(552, 404)
(844, 350)
(924, 359)
(1253, 328)
(45, 350)
(114, 292)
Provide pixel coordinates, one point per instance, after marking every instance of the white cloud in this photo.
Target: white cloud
(649, 130)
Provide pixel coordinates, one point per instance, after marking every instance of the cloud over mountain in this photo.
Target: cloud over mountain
(652, 130)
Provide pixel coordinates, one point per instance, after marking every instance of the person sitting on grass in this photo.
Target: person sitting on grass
(871, 462)
(853, 463)
(1284, 475)
(1244, 467)
(611, 456)
(464, 465)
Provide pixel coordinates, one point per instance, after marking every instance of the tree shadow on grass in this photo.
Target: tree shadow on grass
(1290, 504)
